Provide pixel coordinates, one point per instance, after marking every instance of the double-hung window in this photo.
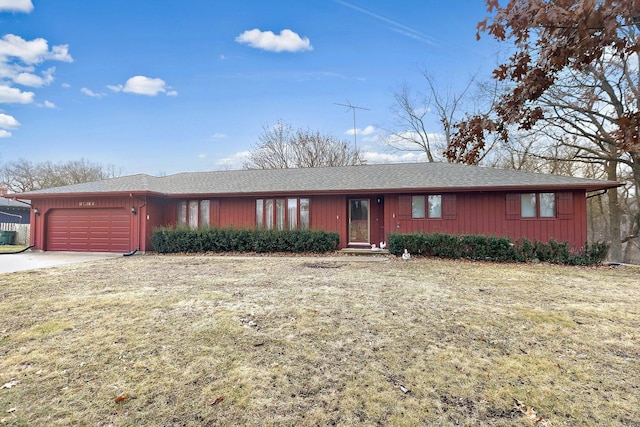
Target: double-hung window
(538, 205)
(426, 206)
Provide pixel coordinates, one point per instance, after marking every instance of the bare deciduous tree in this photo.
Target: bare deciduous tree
(282, 147)
(413, 130)
(22, 175)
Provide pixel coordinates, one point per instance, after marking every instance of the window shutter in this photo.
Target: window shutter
(404, 207)
(449, 206)
(513, 206)
(565, 205)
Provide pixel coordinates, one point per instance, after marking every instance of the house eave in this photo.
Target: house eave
(134, 193)
(367, 191)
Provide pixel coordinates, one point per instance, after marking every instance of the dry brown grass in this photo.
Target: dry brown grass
(190, 341)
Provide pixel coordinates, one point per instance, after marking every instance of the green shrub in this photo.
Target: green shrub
(591, 254)
(524, 250)
(491, 248)
(186, 240)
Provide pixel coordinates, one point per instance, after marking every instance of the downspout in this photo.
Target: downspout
(141, 219)
(597, 194)
(17, 252)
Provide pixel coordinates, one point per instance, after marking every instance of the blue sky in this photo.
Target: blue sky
(161, 87)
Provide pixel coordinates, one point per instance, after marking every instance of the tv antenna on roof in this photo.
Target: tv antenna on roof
(350, 106)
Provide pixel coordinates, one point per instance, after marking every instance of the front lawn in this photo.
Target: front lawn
(196, 340)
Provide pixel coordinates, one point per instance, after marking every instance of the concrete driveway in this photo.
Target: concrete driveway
(28, 260)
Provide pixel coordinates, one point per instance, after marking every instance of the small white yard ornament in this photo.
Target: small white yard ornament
(406, 255)
(383, 245)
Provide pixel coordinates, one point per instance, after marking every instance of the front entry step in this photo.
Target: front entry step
(367, 251)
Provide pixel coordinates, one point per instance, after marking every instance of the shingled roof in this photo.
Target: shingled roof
(397, 177)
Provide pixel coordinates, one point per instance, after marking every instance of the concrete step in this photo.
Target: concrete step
(367, 251)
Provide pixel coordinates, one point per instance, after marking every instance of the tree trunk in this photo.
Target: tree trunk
(615, 252)
(633, 239)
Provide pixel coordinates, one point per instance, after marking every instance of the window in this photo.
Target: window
(290, 214)
(268, 213)
(528, 205)
(304, 214)
(280, 214)
(538, 205)
(182, 213)
(259, 213)
(194, 213)
(205, 213)
(417, 207)
(426, 206)
(435, 206)
(547, 205)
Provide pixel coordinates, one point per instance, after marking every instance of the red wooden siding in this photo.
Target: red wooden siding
(238, 212)
(494, 214)
(329, 213)
(489, 213)
(215, 213)
(157, 212)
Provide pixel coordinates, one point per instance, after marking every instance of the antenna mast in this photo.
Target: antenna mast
(350, 106)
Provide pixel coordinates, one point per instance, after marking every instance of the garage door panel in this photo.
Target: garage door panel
(89, 230)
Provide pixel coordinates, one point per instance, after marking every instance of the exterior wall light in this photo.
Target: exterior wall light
(36, 211)
(133, 210)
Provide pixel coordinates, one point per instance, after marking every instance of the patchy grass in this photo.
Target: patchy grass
(190, 341)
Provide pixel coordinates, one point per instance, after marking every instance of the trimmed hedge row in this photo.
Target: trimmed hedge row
(184, 239)
(499, 249)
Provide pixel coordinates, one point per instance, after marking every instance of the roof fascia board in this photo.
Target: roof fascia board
(95, 194)
(501, 189)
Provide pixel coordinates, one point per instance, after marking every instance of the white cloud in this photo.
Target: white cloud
(49, 104)
(31, 52)
(410, 157)
(33, 80)
(404, 140)
(11, 95)
(141, 85)
(366, 131)
(116, 88)
(235, 161)
(91, 93)
(218, 135)
(286, 41)
(16, 6)
(8, 122)
(60, 53)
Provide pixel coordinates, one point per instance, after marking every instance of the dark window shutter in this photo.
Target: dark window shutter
(513, 206)
(404, 207)
(449, 206)
(565, 205)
